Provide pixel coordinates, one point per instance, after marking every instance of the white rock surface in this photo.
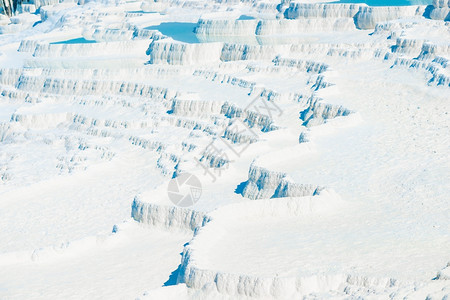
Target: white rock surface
(318, 132)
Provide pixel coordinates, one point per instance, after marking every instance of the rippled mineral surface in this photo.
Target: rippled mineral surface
(224, 149)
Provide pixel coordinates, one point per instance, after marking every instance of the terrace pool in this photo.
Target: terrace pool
(183, 32)
(75, 41)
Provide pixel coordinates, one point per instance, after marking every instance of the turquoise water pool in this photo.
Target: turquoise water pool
(245, 17)
(183, 32)
(140, 12)
(75, 41)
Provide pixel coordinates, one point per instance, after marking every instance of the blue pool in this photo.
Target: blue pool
(183, 32)
(75, 41)
(245, 17)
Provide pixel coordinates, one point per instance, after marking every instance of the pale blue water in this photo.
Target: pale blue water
(75, 41)
(183, 32)
(387, 2)
(245, 17)
(140, 12)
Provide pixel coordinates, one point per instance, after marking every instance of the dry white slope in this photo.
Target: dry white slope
(346, 192)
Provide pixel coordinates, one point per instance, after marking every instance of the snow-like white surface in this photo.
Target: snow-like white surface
(333, 117)
(120, 266)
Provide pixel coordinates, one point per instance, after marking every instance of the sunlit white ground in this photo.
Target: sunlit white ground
(68, 182)
(119, 266)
